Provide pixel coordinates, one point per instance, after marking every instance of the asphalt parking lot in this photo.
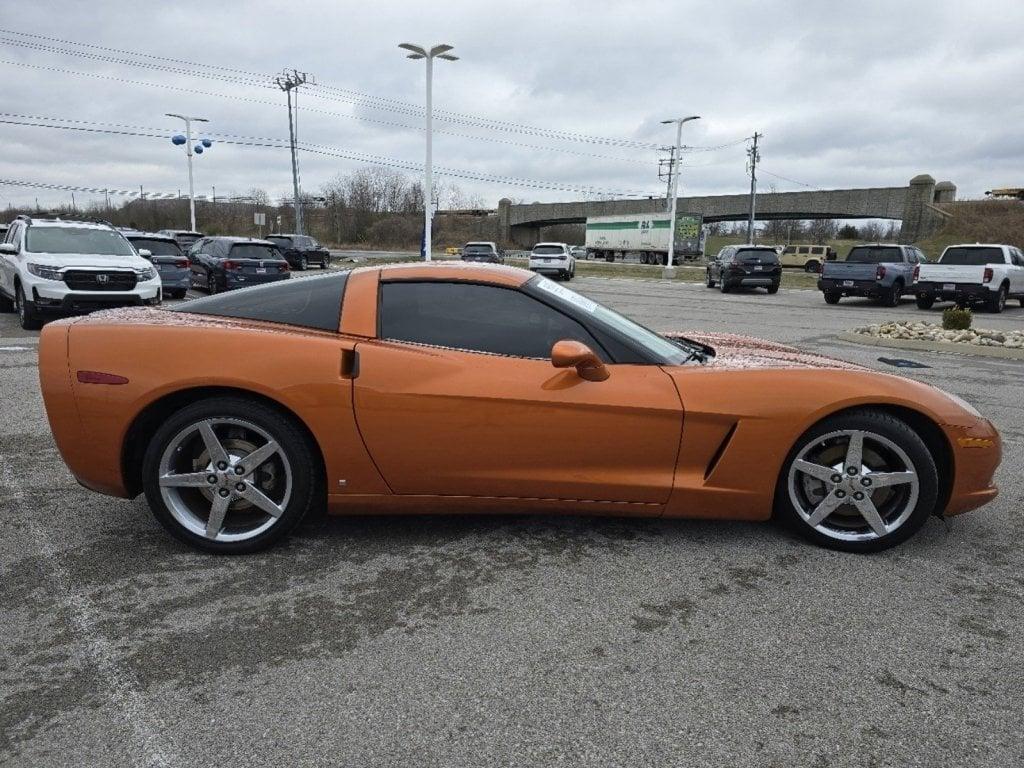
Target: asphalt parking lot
(477, 641)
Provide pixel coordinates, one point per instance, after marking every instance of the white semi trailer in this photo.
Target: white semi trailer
(644, 234)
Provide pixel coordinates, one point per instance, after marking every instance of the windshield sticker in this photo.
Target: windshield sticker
(566, 295)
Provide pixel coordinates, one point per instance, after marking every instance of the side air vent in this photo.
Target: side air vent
(720, 451)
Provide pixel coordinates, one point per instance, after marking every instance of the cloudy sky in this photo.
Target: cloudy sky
(564, 98)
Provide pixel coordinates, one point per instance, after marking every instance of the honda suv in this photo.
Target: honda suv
(66, 267)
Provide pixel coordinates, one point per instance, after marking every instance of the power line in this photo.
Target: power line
(354, 156)
(793, 181)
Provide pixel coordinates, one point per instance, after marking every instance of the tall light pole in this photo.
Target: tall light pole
(188, 151)
(755, 158)
(437, 52)
(669, 270)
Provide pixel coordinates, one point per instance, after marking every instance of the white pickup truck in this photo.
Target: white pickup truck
(973, 274)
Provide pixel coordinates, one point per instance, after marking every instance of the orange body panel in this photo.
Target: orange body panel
(422, 429)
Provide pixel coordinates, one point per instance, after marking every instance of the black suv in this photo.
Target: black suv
(301, 250)
(745, 266)
(223, 263)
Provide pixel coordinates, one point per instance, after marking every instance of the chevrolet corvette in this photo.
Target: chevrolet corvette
(425, 388)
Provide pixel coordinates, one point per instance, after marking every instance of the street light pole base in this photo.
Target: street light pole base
(668, 273)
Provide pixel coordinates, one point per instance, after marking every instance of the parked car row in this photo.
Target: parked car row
(985, 275)
(54, 265)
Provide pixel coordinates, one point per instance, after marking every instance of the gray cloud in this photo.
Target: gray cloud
(867, 93)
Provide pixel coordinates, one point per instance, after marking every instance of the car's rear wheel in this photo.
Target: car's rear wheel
(711, 283)
(832, 297)
(812, 266)
(6, 304)
(997, 302)
(891, 298)
(304, 263)
(925, 301)
(178, 294)
(211, 284)
(724, 286)
(858, 482)
(27, 315)
(230, 475)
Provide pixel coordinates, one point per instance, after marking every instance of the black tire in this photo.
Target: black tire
(307, 482)
(996, 302)
(773, 288)
(179, 293)
(211, 284)
(27, 314)
(724, 286)
(898, 432)
(812, 266)
(1021, 300)
(710, 282)
(925, 301)
(891, 298)
(6, 304)
(303, 264)
(832, 297)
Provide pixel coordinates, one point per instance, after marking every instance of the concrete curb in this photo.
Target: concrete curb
(948, 347)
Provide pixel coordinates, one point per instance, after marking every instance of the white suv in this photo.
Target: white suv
(65, 267)
(553, 259)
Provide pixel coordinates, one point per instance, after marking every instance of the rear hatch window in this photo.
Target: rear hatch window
(478, 250)
(254, 251)
(281, 242)
(157, 247)
(548, 250)
(873, 255)
(972, 256)
(313, 302)
(757, 256)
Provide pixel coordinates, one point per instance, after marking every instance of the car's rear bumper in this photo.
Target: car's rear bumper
(482, 259)
(549, 267)
(953, 291)
(243, 281)
(851, 287)
(172, 281)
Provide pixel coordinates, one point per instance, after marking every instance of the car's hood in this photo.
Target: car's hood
(733, 351)
(85, 260)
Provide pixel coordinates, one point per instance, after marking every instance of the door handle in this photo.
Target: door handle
(349, 364)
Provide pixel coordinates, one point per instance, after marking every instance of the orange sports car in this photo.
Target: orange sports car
(441, 387)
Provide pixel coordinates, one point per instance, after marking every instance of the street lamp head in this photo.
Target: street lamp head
(448, 57)
(680, 119)
(437, 50)
(416, 49)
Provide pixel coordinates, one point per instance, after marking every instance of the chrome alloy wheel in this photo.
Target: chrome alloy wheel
(853, 485)
(225, 479)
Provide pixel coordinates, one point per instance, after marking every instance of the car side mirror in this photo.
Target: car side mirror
(9, 248)
(575, 354)
(145, 254)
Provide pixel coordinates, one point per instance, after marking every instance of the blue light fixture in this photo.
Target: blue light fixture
(178, 139)
(207, 143)
(198, 149)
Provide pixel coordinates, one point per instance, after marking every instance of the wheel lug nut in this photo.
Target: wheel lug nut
(837, 478)
(224, 492)
(865, 481)
(858, 496)
(840, 494)
(211, 479)
(851, 470)
(239, 487)
(239, 470)
(222, 465)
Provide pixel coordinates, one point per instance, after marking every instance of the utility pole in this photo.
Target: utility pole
(287, 81)
(189, 119)
(754, 157)
(670, 164)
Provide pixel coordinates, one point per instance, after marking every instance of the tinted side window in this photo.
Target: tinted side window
(478, 318)
(313, 302)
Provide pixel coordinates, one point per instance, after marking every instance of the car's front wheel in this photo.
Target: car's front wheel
(710, 282)
(859, 482)
(28, 317)
(230, 475)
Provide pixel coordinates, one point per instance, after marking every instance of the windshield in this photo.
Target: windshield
(754, 255)
(873, 255)
(98, 242)
(972, 256)
(548, 250)
(478, 250)
(284, 242)
(665, 351)
(254, 251)
(156, 247)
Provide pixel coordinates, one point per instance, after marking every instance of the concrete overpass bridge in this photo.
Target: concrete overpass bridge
(914, 204)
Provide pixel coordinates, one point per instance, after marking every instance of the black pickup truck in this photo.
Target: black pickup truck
(301, 250)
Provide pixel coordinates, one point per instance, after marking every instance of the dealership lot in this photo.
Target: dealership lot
(516, 641)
